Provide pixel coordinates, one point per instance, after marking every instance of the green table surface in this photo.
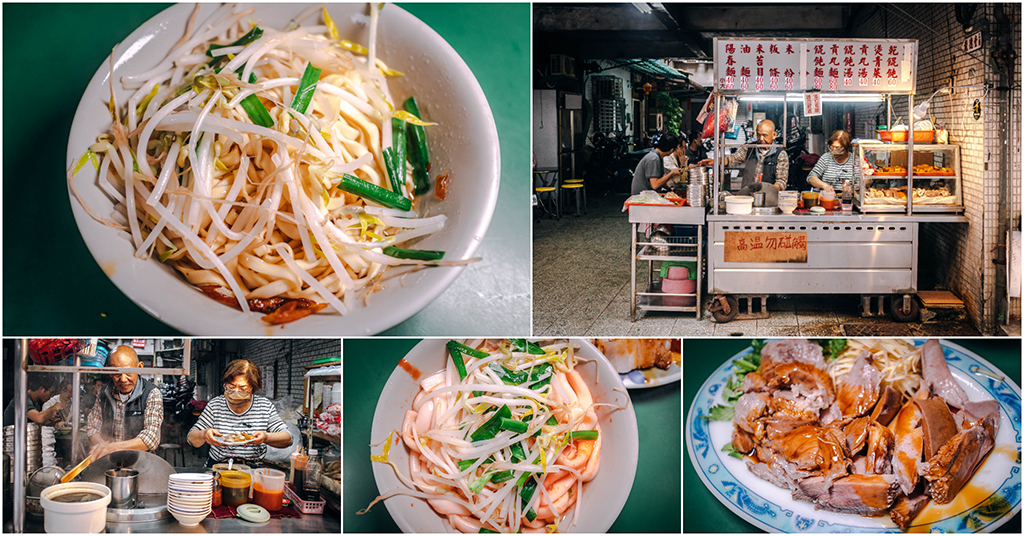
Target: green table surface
(703, 512)
(654, 501)
(54, 287)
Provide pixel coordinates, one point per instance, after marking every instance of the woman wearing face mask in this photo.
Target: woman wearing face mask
(836, 166)
(240, 410)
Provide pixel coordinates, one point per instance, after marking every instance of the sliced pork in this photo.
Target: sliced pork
(742, 440)
(889, 403)
(811, 384)
(867, 495)
(748, 409)
(752, 382)
(906, 508)
(856, 434)
(955, 463)
(814, 449)
(881, 443)
(907, 429)
(937, 424)
(858, 391)
(789, 350)
(936, 375)
(973, 412)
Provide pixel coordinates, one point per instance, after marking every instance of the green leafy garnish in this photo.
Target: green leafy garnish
(719, 413)
(731, 450)
(831, 348)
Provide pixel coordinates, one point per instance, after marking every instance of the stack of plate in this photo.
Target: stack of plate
(695, 192)
(33, 446)
(190, 497)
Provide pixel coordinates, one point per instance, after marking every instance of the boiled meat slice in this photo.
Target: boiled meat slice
(936, 376)
(790, 350)
(973, 412)
(880, 446)
(907, 429)
(937, 423)
(628, 354)
(956, 461)
(806, 381)
(907, 507)
(867, 495)
(752, 381)
(748, 409)
(889, 403)
(856, 434)
(742, 440)
(814, 449)
(858, 391)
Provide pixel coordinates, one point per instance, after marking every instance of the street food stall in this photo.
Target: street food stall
(867, 245)
(140, 490)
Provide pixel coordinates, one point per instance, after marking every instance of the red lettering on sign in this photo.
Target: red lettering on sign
(789, 73)
(834, 49)
(863, 73)
(833, 61)
(773, 49)
(730, 48)
(891, 73)
(744, 71)
(729, 60)
(864, 50)
(878, 61)
(847, 62)
(834, 73)
(864, 61)
(819, 49)
(789, 49)
(892, 50)
(818, 60)
(760, 71)
(730, 71)
(774, 71)
(848, 50)
(891, 62)
(877, 73)
(848, 73)
(819, 72)
(878, 50)
(760, 49)
(745, 49)
(760, 61)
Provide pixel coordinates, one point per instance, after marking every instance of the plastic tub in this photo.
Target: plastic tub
(234, 487)
(898, 136)
(739, 204)
(268, 489)
(75, 517)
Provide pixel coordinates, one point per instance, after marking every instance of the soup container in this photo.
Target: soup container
(124, 487)
(75, 517)
(739, 204)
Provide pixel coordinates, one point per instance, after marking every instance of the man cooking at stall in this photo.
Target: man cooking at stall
(240, 416)
(762, 167)
(128, 412)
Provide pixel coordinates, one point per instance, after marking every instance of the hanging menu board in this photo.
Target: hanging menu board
(841, 65)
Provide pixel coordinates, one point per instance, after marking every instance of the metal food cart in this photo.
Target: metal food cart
(874, 255)
(673, 249)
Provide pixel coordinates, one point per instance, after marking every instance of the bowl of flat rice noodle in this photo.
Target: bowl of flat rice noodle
(602, 498)
(463, 143)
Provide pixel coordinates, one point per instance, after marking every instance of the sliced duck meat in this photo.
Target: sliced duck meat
(956, 461)
(937, 423)
(830, 414)
(752, 381)
(936, 375)
(782, 423)
(907, 429)
(859, 465)
(742, 440)
(792, 406)
(782, 470)
(805, 381)
(748, 409)
(906, 508)
(765, 472)
(858, 391)
(814, 449)
(881, 443)
(889, 403)
(856, 434)
(867, 495)
(973, 412)
(789, 350)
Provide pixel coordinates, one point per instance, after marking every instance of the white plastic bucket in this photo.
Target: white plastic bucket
(739, 204)
(65, 517)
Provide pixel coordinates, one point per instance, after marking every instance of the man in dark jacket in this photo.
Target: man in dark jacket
(128, 413)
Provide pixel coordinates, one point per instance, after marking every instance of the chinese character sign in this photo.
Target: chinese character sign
(872, 65)
(812, 103)
(757, 246)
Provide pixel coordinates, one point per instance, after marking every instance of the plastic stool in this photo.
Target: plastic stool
(581, 196)
(553, 195)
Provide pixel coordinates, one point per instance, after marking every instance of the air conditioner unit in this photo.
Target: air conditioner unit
(562, 65)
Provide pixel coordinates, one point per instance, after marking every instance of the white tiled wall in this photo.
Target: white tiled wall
(961, 255)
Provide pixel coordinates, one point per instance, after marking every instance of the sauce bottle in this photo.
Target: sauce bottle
(311, 489)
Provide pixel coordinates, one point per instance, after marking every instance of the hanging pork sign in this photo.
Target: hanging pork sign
(844, 65)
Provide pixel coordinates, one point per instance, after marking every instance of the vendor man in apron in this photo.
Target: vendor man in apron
(128, 412)
(762, 166)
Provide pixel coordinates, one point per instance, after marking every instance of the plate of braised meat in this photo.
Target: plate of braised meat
(859, 435)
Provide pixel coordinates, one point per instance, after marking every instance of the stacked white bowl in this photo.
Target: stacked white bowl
(788, 201)
(190, 497)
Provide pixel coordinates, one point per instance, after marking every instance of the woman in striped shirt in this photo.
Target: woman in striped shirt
(835, 167)
(238, 410)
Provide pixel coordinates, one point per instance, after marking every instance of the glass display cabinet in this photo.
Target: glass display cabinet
(882, 182)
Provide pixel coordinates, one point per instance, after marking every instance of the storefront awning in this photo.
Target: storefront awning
(656, 68)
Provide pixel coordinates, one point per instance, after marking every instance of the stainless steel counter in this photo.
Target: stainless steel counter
(842, 218)
(329, 523)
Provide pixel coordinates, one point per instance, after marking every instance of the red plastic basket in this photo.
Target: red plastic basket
(50, 351)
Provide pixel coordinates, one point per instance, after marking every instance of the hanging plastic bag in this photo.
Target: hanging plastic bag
(726, 119)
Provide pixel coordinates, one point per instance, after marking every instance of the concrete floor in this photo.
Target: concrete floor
(581, 287)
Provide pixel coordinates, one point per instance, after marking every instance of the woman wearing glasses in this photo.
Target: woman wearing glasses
(835, 167)
(240, 411)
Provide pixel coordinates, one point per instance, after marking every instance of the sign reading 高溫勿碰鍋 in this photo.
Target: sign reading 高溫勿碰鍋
(843, 65)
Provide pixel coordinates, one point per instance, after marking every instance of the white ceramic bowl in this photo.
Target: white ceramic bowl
(603, 497)
(188, 520)
(78, 517)
(465, 143)
(787, 209)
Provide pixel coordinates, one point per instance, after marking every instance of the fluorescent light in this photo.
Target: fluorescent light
(643, 7)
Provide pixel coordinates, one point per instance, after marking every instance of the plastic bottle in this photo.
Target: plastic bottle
(311, 489)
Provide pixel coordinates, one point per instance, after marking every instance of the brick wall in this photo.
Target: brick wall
(290, 354)
(958, 256)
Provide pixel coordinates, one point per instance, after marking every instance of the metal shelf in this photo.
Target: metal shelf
(674, 248)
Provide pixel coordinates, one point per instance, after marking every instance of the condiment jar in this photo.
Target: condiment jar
(234, 487)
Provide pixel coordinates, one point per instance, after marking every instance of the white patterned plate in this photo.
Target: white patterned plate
(989, 499)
